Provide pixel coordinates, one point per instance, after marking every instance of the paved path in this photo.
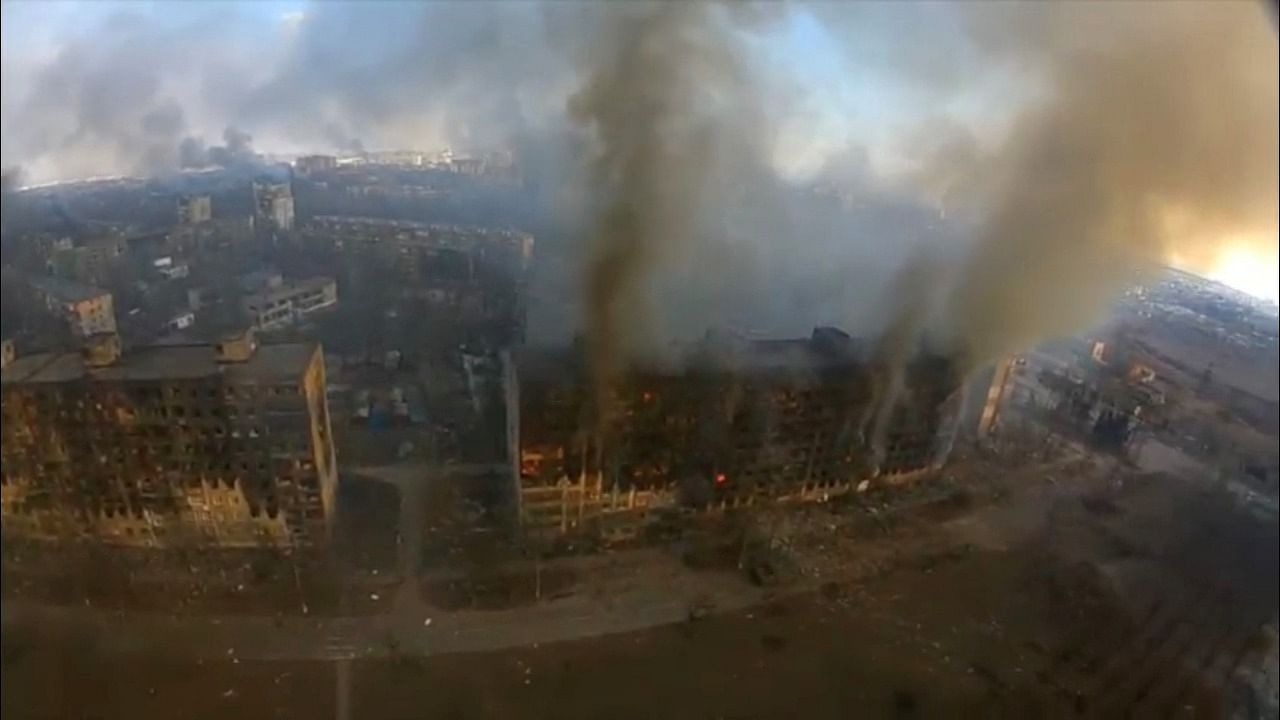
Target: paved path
(663, 595)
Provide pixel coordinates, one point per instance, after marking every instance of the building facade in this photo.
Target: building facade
(414, 245)
(224, 445)
(90, 262)
(754, 421)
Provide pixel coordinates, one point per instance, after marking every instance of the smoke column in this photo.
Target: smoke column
(665, 97)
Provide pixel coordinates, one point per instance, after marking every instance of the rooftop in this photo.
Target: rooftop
(826, 348)
(165, 362)
(66, 290)
(288, 289)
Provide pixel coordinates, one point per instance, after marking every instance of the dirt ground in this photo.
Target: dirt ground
(1099, 596)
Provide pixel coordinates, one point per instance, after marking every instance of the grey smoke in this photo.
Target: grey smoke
(236, 151)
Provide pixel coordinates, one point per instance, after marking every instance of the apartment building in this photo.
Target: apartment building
(224, 445)
(731, 423)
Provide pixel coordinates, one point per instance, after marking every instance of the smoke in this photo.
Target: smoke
(670, 106)
(118, 94)
(235, 152)
(1154, 138)
(340, 140)
(146, 90)
(1071, 147)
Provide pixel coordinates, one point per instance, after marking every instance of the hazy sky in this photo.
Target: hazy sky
(913, 96)
(836, 98)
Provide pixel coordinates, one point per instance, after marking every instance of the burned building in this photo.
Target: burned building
(473, 275)
(281, 304)
(90, 261)
(1105, 410)
(211, 237)
(732, 422)
(87, 310)
(224, 445)
(416, 246)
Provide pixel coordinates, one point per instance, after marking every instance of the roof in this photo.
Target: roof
(288, 289)
(66, 290)
(166, 362)
(826, 348)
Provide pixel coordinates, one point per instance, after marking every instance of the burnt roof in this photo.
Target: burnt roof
(269, 363)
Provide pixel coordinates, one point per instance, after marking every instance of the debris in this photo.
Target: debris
(374, 597)
(426, 623)
(229, 693)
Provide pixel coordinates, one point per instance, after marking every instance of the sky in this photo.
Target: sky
(872, 90)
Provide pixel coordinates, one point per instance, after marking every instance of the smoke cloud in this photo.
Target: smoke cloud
(236, 151)
(1040, 156)
(1154, 137)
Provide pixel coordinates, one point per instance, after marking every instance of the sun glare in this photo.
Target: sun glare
(1249, 270)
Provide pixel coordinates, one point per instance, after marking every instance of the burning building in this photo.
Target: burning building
(224, 445)
(733, 422)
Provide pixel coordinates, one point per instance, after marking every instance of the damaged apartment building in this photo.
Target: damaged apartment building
(475, 274)
(733, 422)
(222, 445)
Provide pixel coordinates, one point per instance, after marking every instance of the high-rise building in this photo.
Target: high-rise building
(169, 446)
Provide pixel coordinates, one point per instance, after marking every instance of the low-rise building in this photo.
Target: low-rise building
(88, 310)
(170, 269)
(290, 302)
(308, 164)
(194, 209)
